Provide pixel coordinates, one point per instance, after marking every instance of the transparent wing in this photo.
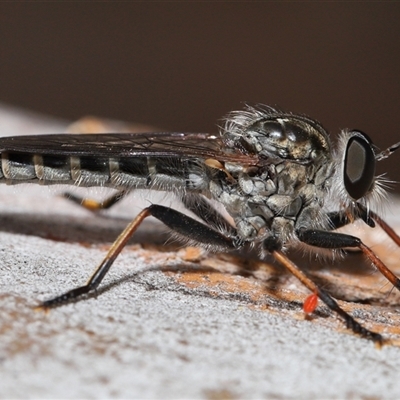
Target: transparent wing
(161, 144)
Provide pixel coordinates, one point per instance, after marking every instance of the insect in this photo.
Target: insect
(275, 173)
(310, 303)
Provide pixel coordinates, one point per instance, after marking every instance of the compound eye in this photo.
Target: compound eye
(359, 165)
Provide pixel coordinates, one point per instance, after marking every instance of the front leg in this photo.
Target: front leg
(335, 240)
(339, 219)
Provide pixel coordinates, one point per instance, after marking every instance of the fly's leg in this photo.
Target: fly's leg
(339, 219)
(369, 217)
(351, 323)
(94, 205)
(335, 240)
(180, 223)
(389, 231)
(339, 240)
(189, 228)
(103, 268)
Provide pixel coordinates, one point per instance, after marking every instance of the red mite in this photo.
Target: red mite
(310, 303)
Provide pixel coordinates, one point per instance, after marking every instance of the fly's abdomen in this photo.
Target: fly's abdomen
(160, 173)
(50, 169)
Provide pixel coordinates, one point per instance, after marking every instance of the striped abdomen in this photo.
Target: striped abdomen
(162, 173)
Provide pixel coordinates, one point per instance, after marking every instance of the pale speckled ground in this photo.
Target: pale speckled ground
(155, 333)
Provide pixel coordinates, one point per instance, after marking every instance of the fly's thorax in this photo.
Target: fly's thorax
(297, 153)
(269, 200)
(273, 134)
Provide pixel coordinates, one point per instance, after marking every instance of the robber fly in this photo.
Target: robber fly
(275, 173)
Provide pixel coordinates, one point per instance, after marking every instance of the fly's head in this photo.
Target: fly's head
(275, 135)
(354, 180)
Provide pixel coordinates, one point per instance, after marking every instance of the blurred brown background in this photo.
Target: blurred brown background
(182, 66)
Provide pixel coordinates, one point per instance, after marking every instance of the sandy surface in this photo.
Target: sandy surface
(176, 323)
